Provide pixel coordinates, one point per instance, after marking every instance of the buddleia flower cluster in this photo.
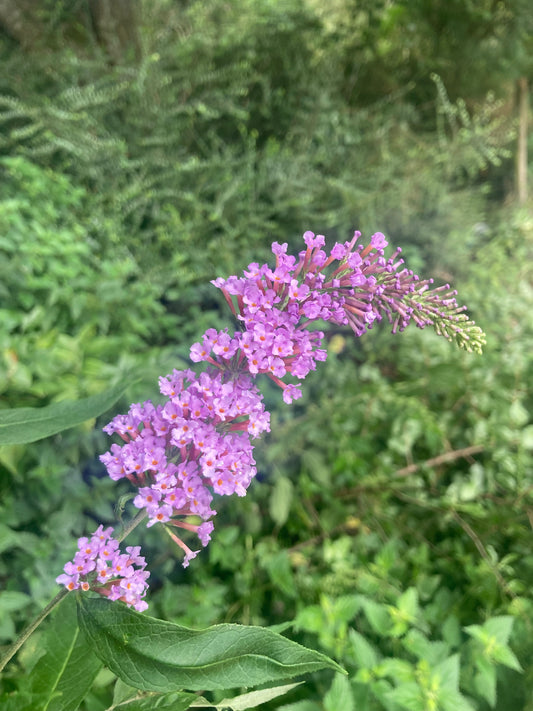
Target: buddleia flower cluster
(100, 565)
(199, 443)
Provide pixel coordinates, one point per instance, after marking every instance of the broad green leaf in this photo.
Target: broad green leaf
(500, 627)
(409, 696)
(494, 634)
(154, 655)
(450, 700)
(342, 609)
(418, 644)
(362, 696)
(310, 619)
(339, 695)
(363, 652)
(378, 616)
(448, 673)
(399, 669)
(64, 675)
(29, 424)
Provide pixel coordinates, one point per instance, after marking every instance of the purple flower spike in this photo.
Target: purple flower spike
(199, 441)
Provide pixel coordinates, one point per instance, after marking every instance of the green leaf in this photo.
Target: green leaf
(11, 600)
(432, 652)
(174, 701)
(280, 572)
(493, 635)
(364, 653)
(450, 700)
(503, 655)
(64, 675)
(29, 424)
(280, 500)
(154, 655)
(251, 700)
(339, 695)
(378, 616)
(8, 538)
(408, 604)
(22, 701)
(409, 696)
(500, 627)
(448, 673)
(400, 670)
(304, 705)
(485, 680)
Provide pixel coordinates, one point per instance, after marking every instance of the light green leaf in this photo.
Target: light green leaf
(154, 655)
(280, 500)
(364, 653)
(453, 701)
(503, 655)
(174, 701)
(448, 673)
(304, 705)
(251, 700)
(518, 415)
(11, 600)
(378, 616)
(493, 635)
(432, 652)
(485, 680)
(399, 669)
(527, 437)
(29, 424)
(409, 696)
(339, 695)
(500, 627)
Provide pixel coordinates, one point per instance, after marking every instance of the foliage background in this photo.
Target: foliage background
(393, 510)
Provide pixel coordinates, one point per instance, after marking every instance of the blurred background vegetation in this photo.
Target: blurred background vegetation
(148, 147)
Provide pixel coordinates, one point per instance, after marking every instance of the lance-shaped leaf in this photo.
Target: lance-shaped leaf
(22, 425)
(174, 701)
(154, 655)
(250, 700)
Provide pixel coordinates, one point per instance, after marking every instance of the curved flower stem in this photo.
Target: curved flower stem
(17, 644)
(131, 525)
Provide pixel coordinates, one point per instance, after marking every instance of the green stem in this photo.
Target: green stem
(17, 644)
(131, 525)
